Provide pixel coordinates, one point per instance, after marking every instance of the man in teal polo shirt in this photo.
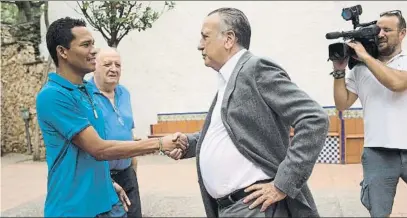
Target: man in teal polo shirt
(72, 125)
(114, 100)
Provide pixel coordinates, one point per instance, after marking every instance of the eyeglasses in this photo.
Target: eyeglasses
(393, 12)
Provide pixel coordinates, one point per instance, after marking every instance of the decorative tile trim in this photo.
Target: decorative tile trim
(180, 117)
(333, 151)
(350, 113)
(331, 111)
(353, 113)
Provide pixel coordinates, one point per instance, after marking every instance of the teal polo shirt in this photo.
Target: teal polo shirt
(118, 119)
(78, 184)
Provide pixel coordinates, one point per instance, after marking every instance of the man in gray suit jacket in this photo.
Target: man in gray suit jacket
(247, 165)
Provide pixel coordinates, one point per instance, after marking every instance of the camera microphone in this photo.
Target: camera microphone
(334, 35)
(372, 30)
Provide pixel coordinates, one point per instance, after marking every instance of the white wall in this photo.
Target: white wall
(165, 73)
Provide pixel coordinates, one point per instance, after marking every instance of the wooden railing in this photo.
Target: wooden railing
(167, 127)
(354, 139)
(348, 130)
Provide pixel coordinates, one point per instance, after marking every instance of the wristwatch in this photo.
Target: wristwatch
(338, 74)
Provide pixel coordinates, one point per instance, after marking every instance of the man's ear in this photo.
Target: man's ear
(62, 51)
(230, 39)
(402, 34)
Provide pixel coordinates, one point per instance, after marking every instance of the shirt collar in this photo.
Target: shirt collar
(117, 90)
(63, 82)
(401, 54)
(229, 66)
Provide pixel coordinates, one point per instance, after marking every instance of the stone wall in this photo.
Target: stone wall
(22, 75)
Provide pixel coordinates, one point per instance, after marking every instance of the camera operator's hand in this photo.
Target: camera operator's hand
(360, 51)
(340, 64)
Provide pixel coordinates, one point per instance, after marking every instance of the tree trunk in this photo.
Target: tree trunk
(113, 43)
(27, 11)
(21, 18)
(37, 132)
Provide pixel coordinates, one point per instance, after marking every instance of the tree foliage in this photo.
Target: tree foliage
(24, 18)
(16, 12)
(9, 13)
(115, 19)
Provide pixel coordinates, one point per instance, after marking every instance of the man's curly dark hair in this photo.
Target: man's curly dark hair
(60, 33)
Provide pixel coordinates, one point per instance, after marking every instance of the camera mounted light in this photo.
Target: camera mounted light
(351, 13)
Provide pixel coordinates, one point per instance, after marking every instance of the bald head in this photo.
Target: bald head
(112, 52)
(108, 67)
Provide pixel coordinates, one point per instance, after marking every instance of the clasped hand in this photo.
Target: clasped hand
(174, 145)
(181, 142)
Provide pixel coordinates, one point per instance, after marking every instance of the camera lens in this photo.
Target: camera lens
(346, 14)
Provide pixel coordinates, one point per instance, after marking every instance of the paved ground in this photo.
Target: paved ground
(169, 188)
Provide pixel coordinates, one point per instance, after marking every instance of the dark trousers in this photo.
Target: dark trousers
(232, 206)
(127, 179)
(382, 170)
(240, 209)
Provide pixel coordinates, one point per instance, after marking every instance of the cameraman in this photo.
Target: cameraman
(381, 85)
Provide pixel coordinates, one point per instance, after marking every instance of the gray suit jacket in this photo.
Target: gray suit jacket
(259, 106)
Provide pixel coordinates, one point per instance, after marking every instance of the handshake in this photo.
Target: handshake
(175, 145)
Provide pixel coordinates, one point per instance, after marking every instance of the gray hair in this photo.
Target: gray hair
(235, 20)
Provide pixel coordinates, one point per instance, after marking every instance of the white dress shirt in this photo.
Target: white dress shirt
(224, 169)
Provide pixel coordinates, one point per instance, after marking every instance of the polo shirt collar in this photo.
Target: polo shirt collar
(63, 82)
(401, 54)
(117, 90)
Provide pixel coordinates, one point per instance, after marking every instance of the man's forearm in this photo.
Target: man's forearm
(340, 94)
(113, 150)
(393, 79)
(308, 141)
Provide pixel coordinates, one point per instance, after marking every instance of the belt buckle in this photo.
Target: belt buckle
(231, 199)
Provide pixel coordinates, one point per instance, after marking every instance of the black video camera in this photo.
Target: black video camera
(367, 34)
